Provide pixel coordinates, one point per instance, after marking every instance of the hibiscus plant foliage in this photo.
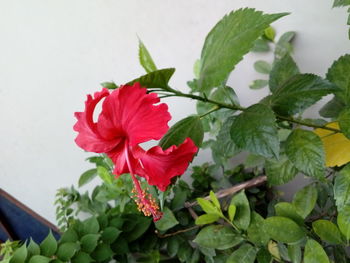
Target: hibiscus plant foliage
(229, 212)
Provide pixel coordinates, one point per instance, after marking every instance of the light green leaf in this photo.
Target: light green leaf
(39, 259)
(255, 130)
(167, 221)
(155, 79)
(104, 174)
(343, 221)
(109, 85)
(344, 122)
(342, 188)
(244, 254)
(262, 67)
(87, 177)
(242, 216)
(294, 253)
(305, 200)
(207, 219)
(19, 255)
(218, 237)
(214, 199)
(305, 150)
(145, 58)
(48, 246)
(298, 93)
(283, 229)
(257, 231)
(327, 231)
(208, 206)
(260, 45)
(231, 211)
(189, 127)
(258, 84)
(280, 171)
(230, 39)
(288, 210)
(314, 253)
(270, 33)
(282, 70)
(283, 45)
(89, 242)
(332, 108)
(33, 248)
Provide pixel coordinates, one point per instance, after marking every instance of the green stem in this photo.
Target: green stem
(215, 108)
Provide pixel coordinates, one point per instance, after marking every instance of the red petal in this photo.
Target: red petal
(130, 112)
(158, 166)
(118, 157)
(88, 138)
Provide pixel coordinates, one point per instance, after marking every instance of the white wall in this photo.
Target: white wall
(52, 53)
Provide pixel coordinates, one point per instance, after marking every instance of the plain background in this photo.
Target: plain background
(54, 52)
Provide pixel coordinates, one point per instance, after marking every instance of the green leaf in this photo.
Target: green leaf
(338, 3)
(102, 252)
(39, 259)
(227, 43)
(264, 256)
(332, 108)
(158, 79)
(294, 253)
(33, 248)
(173, 246)
(283, 229)
(145, 58)
(255, 130)
(245, 254)
(110, 234)
(109, 85)
(189, 127)
(142, 223)
(69, 236)
(214, 199)
(270, 33)
(218, 237)
(66, 251)
(104, 175)
(298, 93)
(282, 70)
(343, 221)
(48, 246)
(288, 210)
(327, 231)
(305, 200)
(91, 226)
(19, 255)
(87, 177)
(344, 122)
(185, 253)
(314, 253)
(280, 171)
(207, 219)
(208, 206)
(305, 150)
(262, 67)
(242, 217)
(89, 242)
(258, 84)
(167, 221)
(342, 188)
(283, 45)
(82, 257)
(257, 231)
(339, 74)
(260, 45)
(232, 211)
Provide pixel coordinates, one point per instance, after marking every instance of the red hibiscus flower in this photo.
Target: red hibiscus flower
(129, 117)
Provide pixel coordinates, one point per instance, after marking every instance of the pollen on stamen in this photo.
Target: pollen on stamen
(147, 204)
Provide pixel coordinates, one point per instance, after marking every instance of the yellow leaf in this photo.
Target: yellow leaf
(336, 145)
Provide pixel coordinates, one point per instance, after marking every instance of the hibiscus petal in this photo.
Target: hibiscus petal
(158, 166)
(88, 137)
(130, 112)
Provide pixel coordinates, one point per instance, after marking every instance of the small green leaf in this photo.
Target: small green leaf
(305, 150)
(338, 3)
(20, 254)
(109, 85)
(33, 248)
(145, 58)
(255, 130)
(327, 231)
(280, 171)
(189, 127)
(344, 122)
(102, 252)
(167, 221)
(258, 84)
(215, 200)
(283, 45)
(288, 210)
(48, 246)
(343, 221)
(87, 177)
(82, 257)
(155, 79)
(39, 259)
(104, 175)
(231, 211)
(342, 188)
(270, 33)
(257, 230)
(218, 237)
(244, 254)
(66, 251)
(314, 253)
(91, 226)
(208, 206)
(294, 253)
(305, 200)
(262, 67)
(110, 234)
(89, 242)
(207, 219)
(242, 217)
(283, 229)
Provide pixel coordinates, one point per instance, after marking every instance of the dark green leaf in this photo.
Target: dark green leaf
(327, 231)
(189, 127)
(69, 236)
(332, 108)
(91, 226)
(305, 200)
(299, 92)
(294, 253)
(142, 223)
(343, 221)
(288, 210)
(225, 95)
(283, 45)
(89, 242)
(82, 257)
(145, 58)
(256, 230)
(342, 188)
(314, 253)
(19, 255)
(282, 70)
(283, 229)
(48, 246)
(258, 84)
(87, 177)
(218, 237)
(245, 254)
(344, 122)
(33, 248)
(167, 221)
(120, 246)
(305, 150)
(230, 39)
(255, 130)
(39, 259)
(242, 216)
(110, 234)
(66, 251)
(173, 246)
(207, 219)
(280, 171)
(338, 3)
(262, 67)
(156, 79)
(185, 253)
(264, 256)
(102, 252)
